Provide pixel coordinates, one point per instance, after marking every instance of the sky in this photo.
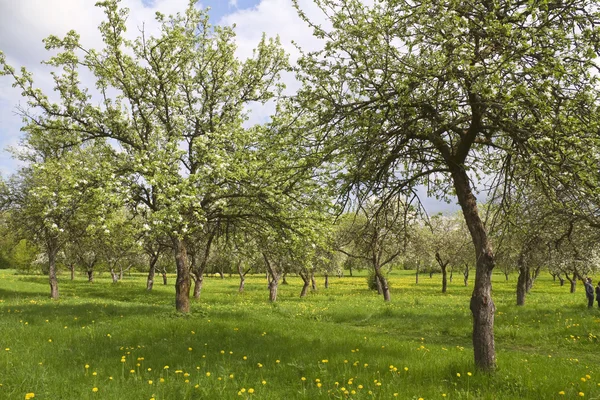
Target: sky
(25, 23)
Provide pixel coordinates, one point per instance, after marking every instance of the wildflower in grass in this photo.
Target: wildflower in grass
(49, 340)
(259, 365)
(243, 390)
(360, 386)
(264, 382)
(324, 361)
(420, 398)
(244, 358)
(222, 351)
(178, 371)
(166, 367)
(188, 381)
(319, 384)
(108, 335)
(583, 379)
(303, 379)
(470, 374)
(458, 374)
(277, 361)
(395, 394)
(208, 374)
(94, 373)
(406, 369)
(110, 378)
(250, 390)
(353, 392)
(588, 377)
(186, 374)
(162, 380)
(87, 366)
(196, 386)
(581, 394)
(132, 371)
(150, 382)
(29, 396)
(230, 376)
(149, 369)
(443, 394)
(366, 365)
(94, 389)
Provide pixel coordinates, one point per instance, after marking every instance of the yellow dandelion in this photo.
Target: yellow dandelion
(208, 374)
(303, 379)
(150, 382)
(319, 384)
(581, 394)
(259, 365)
(562, 392)
(166, 367)
(190, 349)
(28, 395)
(94, 373)
(162, 380)
(264, 382)
(470, 374)
(94, 389)
(86, 366)
(250, 390)
(458, 374)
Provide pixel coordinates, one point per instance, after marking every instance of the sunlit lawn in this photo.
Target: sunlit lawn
(105, 341)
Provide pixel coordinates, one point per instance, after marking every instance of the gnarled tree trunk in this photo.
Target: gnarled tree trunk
(326, 281)
(306, 280)
(182, 282)
(90, 274)
(114, 276)
(482, 306)
(151, 272)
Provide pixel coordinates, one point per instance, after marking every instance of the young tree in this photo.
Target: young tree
(435, 93)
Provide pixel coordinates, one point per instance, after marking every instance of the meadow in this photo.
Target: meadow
(117, 341)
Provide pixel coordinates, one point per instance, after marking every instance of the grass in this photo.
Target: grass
(105, 341)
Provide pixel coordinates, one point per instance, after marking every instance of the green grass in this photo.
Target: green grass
(343, 342)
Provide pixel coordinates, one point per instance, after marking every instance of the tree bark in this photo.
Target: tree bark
(382, 285)
(326, 281)
(417, 273)
(182, 282)
(72, 269)
(114, 276)
(573, 285)
(482, 306)
(283, 279)
(522, 285)
(562, 281)
(313, 283)
(444, 279)
(90, 274)
(242, 276)
(306, 280)
(151, 272)
(198, 282)
(466, 275)
(52, 274)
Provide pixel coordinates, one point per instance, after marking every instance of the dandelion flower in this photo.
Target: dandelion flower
(581, 394)
(29, 395)
(458, 374)
(264, 382)
(250, 390)
(150, 382)
(562, 392)
(470, 374)
(94, 389)
(208, 374)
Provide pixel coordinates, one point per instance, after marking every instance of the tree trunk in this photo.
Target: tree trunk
(114, 276)
(451, 273)
(306, 282)
(482, 306)
(573, 285)
(417, 273)
(522, 285)
(562, 281)
(198, 282)
(52, 274)
(444, 279)
(430, 274)
(121, 273)
(378, 283)
(313, 283)
(385, 289)
(506, 276)
(283, 279)
(182, 282)
(72, 269)
(151, 272)
(326, 281)
(350, 269)
(273, 290)
(466, 275)
(164, 276)
(90, 274)
(221, 274)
